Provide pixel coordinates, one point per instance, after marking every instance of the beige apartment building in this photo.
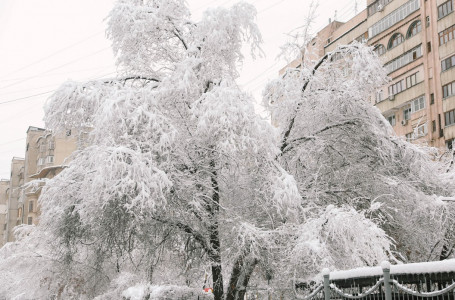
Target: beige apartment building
(14, 191)
(45, 156)
(415, 39)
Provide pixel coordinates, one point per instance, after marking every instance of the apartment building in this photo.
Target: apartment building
(45, 156)
(13, 213)
(415, 41)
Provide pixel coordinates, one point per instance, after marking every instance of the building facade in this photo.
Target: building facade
(13, 210)
(45, 156)
(4, 196)
(415, 39)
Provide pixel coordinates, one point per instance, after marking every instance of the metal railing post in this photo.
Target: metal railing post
(326, 273)
(385, 265)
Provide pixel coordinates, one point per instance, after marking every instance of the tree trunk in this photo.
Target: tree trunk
(240, 276)
(215, 257)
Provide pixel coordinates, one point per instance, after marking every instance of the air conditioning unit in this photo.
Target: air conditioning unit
(380, 7)
(404, 122)
(391, 97)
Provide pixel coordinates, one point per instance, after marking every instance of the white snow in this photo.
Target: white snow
(414, 268)
(162, 292)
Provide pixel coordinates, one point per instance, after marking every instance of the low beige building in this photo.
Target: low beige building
(45, 156)
(415, 39)
(13, 209)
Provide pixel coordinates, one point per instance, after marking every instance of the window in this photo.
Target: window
(404, 59)
(433, 125)
(418, 104)
(420, 130)
(377, 5)
(428, 47)
(379, 96)
(42, 147)
(30, 220)
(394, 17)
(30, 206)
(446, 35)
(427, 21)
(409, 137)
(444, 9)
(396, 88)
(448, 63)
(336, 56)
(411, 80)
(391, 120)
(51, 145)
(362, 38)
(41, 161)
(395, 40)
(50, 159)
(407, 113)
(449, 117)
(415, 28)
(431, 98)
(450, 144)
(379, 49)
(448, 90)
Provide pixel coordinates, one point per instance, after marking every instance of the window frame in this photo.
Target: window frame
(392, 119)
(382, 47)
(418, 103)
(445, 9)
(449, 118)
(414, 25)
(407, 111)
(448, 90)
(396, 36)
(447, 63)
(446, 35)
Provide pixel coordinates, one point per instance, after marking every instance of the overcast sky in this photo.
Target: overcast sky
(44, 43)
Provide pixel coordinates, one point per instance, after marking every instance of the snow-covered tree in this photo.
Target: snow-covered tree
(179, 175)
(182, 184)
(343, 154)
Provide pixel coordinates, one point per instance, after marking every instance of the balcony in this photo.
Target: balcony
(400, 99)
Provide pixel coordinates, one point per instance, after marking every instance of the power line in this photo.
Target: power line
(52, 54)
(52, 74)
(58, 67)
(51, 85)
(10, 142)
(44, 93)
(27, 97)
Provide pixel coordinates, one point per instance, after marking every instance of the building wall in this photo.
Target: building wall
(45, 156)
(315, 48)
(4, 195)
(430, 77)
(14, 211)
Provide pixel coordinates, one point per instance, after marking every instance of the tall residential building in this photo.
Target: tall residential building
(45, 156)
(415, 39)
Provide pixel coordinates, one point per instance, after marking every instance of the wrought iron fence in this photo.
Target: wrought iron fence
(424, 281)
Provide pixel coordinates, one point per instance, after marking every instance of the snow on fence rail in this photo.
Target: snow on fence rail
(435, 280)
